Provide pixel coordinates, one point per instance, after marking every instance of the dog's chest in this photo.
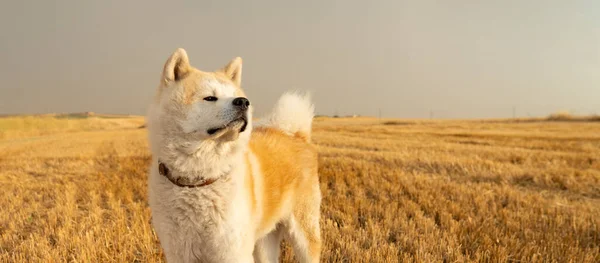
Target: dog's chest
(203, 222)
(217, 206)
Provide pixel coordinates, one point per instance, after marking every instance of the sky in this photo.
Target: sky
(403, 59)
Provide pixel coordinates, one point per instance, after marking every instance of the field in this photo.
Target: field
(74, 189)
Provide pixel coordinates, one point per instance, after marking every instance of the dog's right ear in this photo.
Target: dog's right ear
(177, 66)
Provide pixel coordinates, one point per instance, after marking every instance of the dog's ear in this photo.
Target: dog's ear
(177, 66)
(233, 70)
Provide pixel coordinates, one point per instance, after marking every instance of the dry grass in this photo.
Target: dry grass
(33, 126)
(441, 191)
(565, 116)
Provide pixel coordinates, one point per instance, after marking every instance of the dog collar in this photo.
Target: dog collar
(164, 171)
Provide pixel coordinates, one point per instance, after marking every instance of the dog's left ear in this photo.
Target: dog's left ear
(233, 70)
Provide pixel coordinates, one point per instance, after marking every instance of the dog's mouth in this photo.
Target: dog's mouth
(241, 120)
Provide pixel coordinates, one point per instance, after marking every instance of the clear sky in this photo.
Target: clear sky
(457, 59)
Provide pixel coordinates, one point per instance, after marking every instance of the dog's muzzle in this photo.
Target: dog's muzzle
(242, 118)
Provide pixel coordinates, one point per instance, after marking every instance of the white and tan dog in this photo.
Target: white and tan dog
(219, 190)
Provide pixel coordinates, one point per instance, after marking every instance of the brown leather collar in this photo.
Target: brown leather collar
(164, 171)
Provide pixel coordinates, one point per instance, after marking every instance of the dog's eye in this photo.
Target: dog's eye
(210, 98)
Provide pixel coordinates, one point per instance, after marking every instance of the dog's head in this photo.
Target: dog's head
(194, 107)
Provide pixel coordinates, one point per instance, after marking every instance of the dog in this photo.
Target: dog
(220, 188)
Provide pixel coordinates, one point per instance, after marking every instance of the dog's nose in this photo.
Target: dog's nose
(241, 103)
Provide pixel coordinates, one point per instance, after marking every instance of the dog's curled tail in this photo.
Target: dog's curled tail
(293, 114)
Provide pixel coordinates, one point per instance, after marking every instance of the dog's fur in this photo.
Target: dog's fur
(266, 186)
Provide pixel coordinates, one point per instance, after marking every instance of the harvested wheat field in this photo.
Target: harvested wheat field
(74, 189)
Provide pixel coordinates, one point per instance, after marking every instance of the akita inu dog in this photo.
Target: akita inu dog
(219, 189)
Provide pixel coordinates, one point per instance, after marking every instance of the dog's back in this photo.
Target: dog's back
(290, 193)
